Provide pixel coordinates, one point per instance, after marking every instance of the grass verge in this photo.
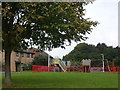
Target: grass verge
(63, 80)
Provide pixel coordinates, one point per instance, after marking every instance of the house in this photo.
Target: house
(19, 58)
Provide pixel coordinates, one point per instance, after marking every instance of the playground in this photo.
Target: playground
(64, 80)
(61, 74)
(87, 65)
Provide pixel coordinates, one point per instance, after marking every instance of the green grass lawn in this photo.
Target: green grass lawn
(64, 80)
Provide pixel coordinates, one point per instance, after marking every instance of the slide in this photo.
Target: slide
(63, 66)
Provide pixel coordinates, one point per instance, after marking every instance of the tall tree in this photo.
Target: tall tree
(48, 25)
(101, 47)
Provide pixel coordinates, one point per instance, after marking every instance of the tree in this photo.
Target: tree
(83, 51)
(117, 58)
(40, 60)
(48, 25)
(101, 47)
(109, 52)
(117, 61)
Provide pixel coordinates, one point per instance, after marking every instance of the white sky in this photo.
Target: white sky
(106, 13)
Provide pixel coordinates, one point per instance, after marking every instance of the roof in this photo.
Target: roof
(33, 51)
(41, 51)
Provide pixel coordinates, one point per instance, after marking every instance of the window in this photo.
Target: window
(22, 54)
(31, 55)
(17, 54)
(28, 54)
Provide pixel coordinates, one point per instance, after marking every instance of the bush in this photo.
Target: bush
(27, 66)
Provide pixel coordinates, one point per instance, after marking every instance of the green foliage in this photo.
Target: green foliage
(27, 66)
(76, 63)
(117, 61)
(47, 24)
(40, 60)
(85, 51)
(20, 59)
(101, 47)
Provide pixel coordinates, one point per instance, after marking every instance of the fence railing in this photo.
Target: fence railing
(38, 68)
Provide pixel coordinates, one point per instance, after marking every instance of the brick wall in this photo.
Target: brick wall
(15, 58)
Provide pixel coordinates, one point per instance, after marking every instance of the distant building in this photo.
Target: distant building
(19, 58)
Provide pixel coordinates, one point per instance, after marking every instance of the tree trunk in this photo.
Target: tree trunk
(7, 67)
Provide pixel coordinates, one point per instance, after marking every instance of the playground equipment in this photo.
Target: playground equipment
(64, 65)
(53, 66)
(60, 63)
(86, 65)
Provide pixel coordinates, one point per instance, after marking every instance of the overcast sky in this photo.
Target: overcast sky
(106, 13)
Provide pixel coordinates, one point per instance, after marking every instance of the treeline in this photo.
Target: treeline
(86, 51)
